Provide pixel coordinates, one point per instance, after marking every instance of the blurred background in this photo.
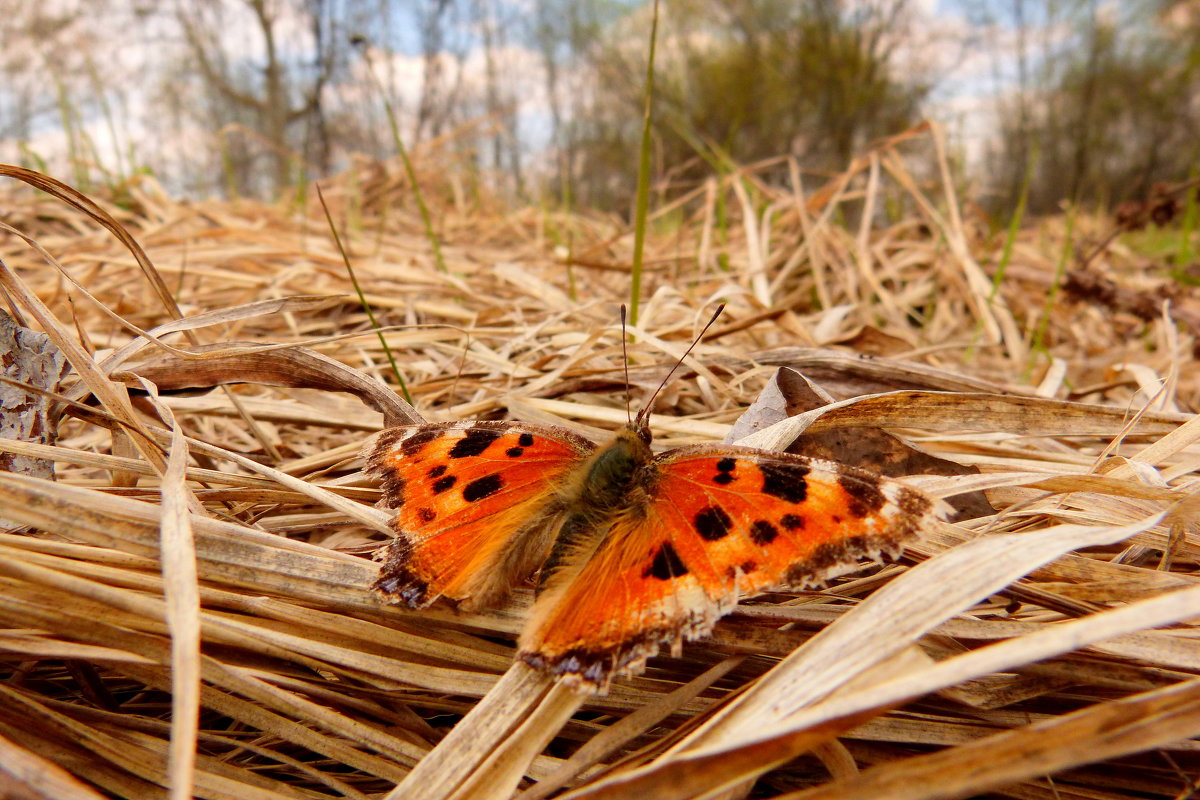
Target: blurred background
(1068, 101)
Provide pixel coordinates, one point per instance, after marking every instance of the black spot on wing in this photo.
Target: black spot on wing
(864, 493)
(525, 440)
(483, 487)
(515, 452)
(792, 522)
(426, 514)
(444, 484)
(725, 468)
(744, 568)
(437, 472)
(413, 444)
(474, 442)
(666, 564)
(387, 438)
(785, 481)
(392, 487)
(763, 532)
(712, 523)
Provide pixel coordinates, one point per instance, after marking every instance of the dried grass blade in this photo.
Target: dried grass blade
(85, 458)
(37, 777)
(366, 666)
(991, 312)
(99, 743)
(370, 517)
(217, 316)
(84, 366)
(310, 648)
(862, 255)
(42, 647)
(754, 248)
(125, 612)
(829, 367)
(1172, 444)
(271, 710)
(78, 200)
(230, 553)
(472, 741)
(498, 776)
(705, 775)
(182, 595)
(962, 411)
(347, 740)
(298, 367)
(1099, 732)
(628, 728)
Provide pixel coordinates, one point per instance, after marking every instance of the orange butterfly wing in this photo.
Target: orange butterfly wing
(714, 523)
(474, 506)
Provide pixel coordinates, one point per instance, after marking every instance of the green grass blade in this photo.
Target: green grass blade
(643, 185)
(1187, 229)
(1014, 223)
(1038, 343)
(568, 202)
(1010, 239)
(362, 298)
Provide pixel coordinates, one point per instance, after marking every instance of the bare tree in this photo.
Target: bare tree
(432, 108)
(1110, 110)
(499, 98)
(280, 93)
(749, 79)
(56, 109)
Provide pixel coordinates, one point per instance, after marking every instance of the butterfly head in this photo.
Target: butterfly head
(639, 426)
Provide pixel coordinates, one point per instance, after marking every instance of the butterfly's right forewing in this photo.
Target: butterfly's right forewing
(475, 506)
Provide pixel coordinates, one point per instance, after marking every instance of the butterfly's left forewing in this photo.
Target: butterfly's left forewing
(715, 523)
(475, 505)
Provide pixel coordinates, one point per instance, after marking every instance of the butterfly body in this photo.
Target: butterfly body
(612, 482)
(632, 550)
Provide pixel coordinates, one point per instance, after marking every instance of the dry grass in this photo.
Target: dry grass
(184, 609)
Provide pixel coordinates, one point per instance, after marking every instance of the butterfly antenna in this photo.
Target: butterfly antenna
(650, 403)
(625, 361)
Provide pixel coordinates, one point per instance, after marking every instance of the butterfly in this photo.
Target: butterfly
(631, 550)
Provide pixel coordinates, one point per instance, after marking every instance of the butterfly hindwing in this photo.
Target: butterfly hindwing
(714, 523)
(472, 503)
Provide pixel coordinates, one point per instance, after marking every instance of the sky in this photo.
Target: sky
(973, 61)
